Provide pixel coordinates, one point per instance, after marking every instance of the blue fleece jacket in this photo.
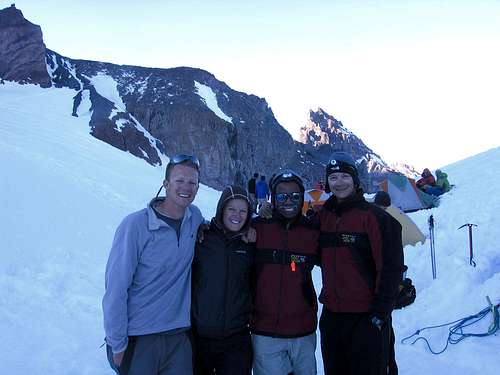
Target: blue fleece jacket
(148, 276)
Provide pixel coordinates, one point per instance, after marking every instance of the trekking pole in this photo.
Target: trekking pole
(471, 252)
(433, 253)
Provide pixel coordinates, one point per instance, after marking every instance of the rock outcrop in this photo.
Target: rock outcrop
(22, 51)
(323, 134)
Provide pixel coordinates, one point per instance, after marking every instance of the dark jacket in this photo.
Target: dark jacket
(221, 298)
(221, 276)
(285, 301)
(251, 185)
(361, 257)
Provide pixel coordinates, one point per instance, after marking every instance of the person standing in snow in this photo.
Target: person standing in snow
(221, 296)
(147, 300)
(262, 190)
(251, 190)
(284, 318)
(362, 267)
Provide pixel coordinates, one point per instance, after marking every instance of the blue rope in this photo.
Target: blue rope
(456, 331)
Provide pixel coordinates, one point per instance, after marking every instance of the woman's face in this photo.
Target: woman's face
(235, 214)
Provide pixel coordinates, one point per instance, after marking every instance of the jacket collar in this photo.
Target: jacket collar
(287, 223)
(332, 204)
(154, 222)
(219, 229)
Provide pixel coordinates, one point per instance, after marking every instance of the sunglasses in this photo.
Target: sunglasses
(181, 158)
(294, 197)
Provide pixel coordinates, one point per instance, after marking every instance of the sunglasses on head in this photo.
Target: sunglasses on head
(294, 197)
(181, 158)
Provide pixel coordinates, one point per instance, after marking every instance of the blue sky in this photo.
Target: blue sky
(416, 80)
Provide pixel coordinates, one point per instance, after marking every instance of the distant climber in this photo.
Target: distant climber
(262, 190)
(442, 184)
(426, 181)
(251, 191)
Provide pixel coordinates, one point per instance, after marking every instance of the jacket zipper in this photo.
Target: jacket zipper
(227, 257)
(280, 291)
(335, 291)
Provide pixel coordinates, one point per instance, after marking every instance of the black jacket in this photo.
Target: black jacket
(221, 296)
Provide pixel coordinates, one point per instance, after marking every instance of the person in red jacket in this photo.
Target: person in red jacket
(284, 317)
(426, 181)
(362, 266)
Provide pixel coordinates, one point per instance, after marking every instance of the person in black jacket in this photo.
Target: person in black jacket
(251, 190)
(221, 296)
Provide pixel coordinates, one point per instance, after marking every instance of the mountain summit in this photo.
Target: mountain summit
(22, 51)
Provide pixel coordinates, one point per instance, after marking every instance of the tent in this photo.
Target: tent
(404, 193)
(314, 199)
(411, 234)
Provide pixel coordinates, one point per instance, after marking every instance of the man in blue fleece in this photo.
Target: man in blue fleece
(148, 279)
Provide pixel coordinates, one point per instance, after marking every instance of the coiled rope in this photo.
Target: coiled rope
(456, 331)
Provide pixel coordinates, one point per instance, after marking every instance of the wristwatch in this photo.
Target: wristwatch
(377, 322)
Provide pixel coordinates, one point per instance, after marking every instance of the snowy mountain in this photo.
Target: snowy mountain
(325, 134)
(152, 112)
(63, 193)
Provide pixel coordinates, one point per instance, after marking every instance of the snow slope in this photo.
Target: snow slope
(63, 193)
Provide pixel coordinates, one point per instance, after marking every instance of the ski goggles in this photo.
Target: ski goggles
(181, 158)
(294, 197)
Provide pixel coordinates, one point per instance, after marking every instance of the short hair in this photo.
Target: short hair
(187, 163)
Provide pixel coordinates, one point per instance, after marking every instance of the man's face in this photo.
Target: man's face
(288, 206)
(235, 214)
(182, 185)
(341, 184)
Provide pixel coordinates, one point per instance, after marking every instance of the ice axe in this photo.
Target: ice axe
(471, 262)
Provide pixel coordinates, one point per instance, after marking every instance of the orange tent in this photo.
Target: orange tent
(314, 199)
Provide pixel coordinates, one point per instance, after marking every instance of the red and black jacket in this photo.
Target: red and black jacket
(429, 180)
(361, 256)
(285, 302)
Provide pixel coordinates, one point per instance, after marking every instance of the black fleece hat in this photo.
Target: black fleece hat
(232, 192)
(341, 162)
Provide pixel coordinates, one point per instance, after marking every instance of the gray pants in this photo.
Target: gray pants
(281, 356)
(156, 354)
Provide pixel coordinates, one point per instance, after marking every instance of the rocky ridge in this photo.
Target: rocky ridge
(152, 112)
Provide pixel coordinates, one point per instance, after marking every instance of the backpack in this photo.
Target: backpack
(407, 294)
